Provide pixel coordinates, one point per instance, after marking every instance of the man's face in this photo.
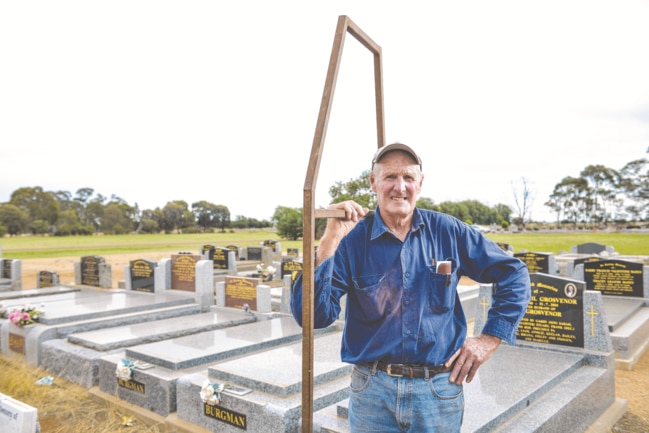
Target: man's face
(396, 180)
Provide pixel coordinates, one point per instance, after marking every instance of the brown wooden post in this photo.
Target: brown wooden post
(309, 213)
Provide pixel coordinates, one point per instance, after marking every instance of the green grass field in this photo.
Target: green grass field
(36, 247)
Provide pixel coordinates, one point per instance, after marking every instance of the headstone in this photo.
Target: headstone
(235, 249)
(221, 258)
(555, 314)
(241, 292)
(615, 277)
(93, 271)
(590, 248)
(16, 416)
(142, 275)
(47, 279)
(538, 262)
(253, 253)
(6, 268)
(272, 244)
(291, 267)
(11, 273)
(183, 272)
(293, 252)
(208, 251)
(561, 312)
(90, 270)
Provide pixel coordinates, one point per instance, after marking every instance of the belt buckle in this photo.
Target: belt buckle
(388, 370)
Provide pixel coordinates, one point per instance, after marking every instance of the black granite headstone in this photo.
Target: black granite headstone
(555, 314)
(208, 251)
(220, 256)
(143, 275)
(254, 253)
(536, 262)
(6, 268)
(90, 270)
(590, 248)
(290, 266)
(48, 279)
(615, 277)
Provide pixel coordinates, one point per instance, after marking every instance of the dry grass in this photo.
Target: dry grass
(64, 407)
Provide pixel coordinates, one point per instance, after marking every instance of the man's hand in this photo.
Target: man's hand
(475, 352)
(337, 228)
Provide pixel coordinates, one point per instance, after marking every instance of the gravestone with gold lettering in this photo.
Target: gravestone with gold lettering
(616, 278)
(140, 275)
(561, 312)
(183, 272)
(93, 271)
(538, 262)
(10, 274)
(47, 279)
(292, 268)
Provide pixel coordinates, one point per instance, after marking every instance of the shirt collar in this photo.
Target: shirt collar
(379, 227)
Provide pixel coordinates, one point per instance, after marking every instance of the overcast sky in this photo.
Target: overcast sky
(156, 101)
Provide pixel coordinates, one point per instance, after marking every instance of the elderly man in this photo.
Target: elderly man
(405, 331)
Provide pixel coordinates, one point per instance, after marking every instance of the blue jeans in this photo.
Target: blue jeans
(382, 403)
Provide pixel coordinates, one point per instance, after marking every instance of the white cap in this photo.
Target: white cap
(395, 146)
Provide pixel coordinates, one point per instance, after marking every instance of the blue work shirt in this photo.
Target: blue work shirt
(399, 310)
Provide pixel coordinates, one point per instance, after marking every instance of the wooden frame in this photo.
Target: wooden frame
(309, 213)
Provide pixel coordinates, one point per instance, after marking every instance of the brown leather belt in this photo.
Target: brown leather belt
(412, 371)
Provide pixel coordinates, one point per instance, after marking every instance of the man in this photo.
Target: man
(405, 330)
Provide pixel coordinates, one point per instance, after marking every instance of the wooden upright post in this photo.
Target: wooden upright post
(309, 213)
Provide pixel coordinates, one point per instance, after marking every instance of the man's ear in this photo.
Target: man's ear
(372, 180)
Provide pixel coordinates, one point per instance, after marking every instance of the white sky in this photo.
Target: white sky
(218, 100)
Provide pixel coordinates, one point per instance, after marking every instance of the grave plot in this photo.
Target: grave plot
(76, 357)
(264, 389)
(86, 310)
(159, 365)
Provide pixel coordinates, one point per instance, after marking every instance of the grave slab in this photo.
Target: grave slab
(207, 347)
(87, 310)
(34, 293)
(155, 388)
(64, 356)
(265, 388)
(551, 391)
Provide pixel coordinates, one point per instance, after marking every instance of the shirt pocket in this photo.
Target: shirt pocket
(371, 297)
(441, 290)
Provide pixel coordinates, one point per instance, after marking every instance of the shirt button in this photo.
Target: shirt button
(408, 274)
(408, 332)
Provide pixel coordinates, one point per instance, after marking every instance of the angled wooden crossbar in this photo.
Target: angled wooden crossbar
(309, 213)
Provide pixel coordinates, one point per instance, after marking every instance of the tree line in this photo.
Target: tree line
(599, 195)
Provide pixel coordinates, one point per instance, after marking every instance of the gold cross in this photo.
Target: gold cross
(592, 313)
